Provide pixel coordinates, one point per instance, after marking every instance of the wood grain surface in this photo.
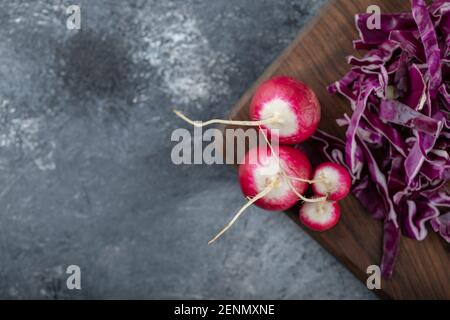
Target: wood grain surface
(317, 57)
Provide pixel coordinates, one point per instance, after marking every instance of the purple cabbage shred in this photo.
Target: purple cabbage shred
(398, 135)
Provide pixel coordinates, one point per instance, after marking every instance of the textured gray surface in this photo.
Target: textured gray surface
(85, 167)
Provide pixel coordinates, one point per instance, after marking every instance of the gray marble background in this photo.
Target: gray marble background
(85, 167)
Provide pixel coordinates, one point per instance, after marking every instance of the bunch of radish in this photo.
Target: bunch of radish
(289, 109)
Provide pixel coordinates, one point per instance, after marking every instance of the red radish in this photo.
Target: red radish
(292, 102)
(331, 180)
(320, 216)
(273, 180)
(283, 106)
(255, 176)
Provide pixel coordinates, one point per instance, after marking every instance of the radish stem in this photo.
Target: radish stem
(313, 200)
(305, 180)
(248, 204)
(273, 120)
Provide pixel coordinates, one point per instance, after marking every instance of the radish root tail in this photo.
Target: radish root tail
(312, 200)
(241, 211)
(273, 120)
(306, 180)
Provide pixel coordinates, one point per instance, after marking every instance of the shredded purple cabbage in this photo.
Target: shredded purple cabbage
(398, 136)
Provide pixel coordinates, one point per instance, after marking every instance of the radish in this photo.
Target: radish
(331, 180)
(276, 181)
(255, 177)
(283, 106)
(320, 216)
(290, 101)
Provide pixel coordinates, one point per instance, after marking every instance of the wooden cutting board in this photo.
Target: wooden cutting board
(317, 57)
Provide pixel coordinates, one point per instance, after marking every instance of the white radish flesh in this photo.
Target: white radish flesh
(331, 180)
(295, 105)
(320, 216)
